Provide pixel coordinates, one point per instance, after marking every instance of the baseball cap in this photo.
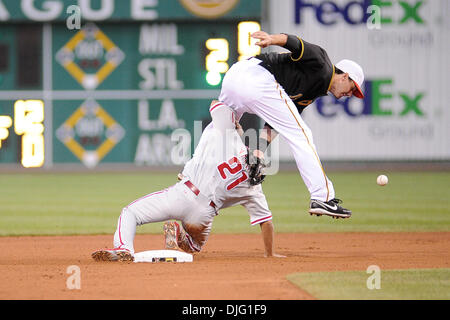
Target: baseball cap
(355, 73)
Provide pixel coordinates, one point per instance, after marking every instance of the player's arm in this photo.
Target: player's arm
(267, 135)
(305, 52)
(222, 116)
(267, 233)
(255, 158)
(260, 213)
(266, 39)
(300, 49)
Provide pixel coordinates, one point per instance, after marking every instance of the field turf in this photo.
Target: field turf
(90, 203)
(413, 284)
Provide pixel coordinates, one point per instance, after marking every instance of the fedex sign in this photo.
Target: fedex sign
(376, 91)
(357, 12)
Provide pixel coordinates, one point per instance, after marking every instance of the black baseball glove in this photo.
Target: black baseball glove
(255, 168)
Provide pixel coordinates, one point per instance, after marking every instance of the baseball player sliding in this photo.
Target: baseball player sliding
(277, 87)
(216, 177)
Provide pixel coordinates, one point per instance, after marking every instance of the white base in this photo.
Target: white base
(163, 256)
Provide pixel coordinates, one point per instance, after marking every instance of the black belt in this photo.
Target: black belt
(196, 191)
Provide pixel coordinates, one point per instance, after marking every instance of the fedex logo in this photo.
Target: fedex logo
(358, 12)
(376, 94)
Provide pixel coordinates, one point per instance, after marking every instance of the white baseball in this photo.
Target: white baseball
(382, 180)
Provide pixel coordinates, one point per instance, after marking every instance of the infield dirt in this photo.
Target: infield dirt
(230, 267)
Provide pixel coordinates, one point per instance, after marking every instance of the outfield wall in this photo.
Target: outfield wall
(404, 115)
(114, 81)
(131, 85)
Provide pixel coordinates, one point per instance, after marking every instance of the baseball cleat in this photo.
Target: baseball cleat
(330, 208)
(171, 234)
(113, 255)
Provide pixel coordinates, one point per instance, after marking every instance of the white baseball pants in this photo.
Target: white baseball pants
(249, 87)
(177, 202)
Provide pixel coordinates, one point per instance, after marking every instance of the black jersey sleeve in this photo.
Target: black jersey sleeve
(305, 52)
(295, 45)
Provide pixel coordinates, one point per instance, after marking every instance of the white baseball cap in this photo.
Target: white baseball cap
(356, 74)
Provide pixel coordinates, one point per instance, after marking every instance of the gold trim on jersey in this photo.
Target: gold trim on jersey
(303, 50)
(304, 103)
(307, 140)
(331, 81)
(296, 96)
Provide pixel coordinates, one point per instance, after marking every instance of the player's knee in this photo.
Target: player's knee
(127, 211)
(196, 235)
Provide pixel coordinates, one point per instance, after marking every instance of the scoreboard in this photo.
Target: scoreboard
(131, 83)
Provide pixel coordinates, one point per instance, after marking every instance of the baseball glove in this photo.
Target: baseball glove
(255, 169)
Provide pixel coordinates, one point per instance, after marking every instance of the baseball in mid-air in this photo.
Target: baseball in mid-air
(382, 180)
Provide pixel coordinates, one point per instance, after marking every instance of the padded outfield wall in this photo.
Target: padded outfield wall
(131, 85)
(405, 114)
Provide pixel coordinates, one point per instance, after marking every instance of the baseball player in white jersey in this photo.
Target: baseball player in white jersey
(277, 87)
(215, 178)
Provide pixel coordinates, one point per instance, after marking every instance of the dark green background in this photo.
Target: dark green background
(192, 33)
(125, 113)
(190, 66)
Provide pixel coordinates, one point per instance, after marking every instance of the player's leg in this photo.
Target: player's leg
(195, 236)
(143, 210)
(250, 87)
(193, 232)
(125, 231)
(237, 87)
(158, 206)
(283, 116)
(183, 236)
(275, 107)
(123, 249)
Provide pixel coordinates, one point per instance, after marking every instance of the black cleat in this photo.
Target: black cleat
(330, 208)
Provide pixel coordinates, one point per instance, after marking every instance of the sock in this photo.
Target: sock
(126, 230)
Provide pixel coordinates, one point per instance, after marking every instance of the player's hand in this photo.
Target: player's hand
(256, 167)
(265, 39)
(258, 153)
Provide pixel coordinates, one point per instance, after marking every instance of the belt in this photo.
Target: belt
(195, 190)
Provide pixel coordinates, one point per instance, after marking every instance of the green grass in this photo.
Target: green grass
(90, 203)
(413, 284)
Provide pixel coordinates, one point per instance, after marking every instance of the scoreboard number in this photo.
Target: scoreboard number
(246, 44)
(5, 123)
(217, 60)
(89, 92)
(28, 122)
